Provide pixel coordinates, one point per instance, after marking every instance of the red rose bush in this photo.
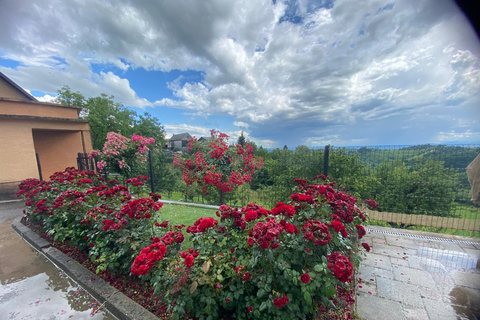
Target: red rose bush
(98, 217)
(295, 261)
(216, 165)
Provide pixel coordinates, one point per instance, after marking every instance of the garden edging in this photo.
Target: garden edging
(114, 301)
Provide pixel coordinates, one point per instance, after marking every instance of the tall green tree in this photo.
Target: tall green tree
(241, 140)
(67, 97)
(105, 115)
(148, 126)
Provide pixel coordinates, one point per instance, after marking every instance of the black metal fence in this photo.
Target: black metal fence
(84, 162)
(423, 187)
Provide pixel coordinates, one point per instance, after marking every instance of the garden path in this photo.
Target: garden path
(31, 287)
(416, 275)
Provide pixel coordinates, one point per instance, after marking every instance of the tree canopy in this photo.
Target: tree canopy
(105, 115)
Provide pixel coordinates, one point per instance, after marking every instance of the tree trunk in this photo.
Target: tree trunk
(222, 197)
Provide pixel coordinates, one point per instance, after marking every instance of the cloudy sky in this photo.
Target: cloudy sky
(341, 72)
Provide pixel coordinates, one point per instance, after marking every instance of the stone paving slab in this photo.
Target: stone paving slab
(378, 261)
(399, 291)
(375, 308)
(414, 276)
(367, 272)
(410, 278)
(439, 310)
(400, 262)
(467, 279)
(401, 242)
(441, 245)
(391, 250)
(413, 313)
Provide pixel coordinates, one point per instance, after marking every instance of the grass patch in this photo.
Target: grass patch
(177, 214)
(466, 211)
(183, 214)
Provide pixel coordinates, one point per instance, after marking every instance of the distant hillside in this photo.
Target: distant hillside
(453, 157)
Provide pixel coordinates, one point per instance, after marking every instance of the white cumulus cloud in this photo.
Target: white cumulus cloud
(284, 70)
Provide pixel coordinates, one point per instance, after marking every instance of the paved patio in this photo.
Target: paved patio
(414, 276)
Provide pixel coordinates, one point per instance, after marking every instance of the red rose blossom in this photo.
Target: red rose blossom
(340, 266)
(250, 215)
(189, 261)
(366, 246)
(291, 228)
(338, 226)
(280, 302)
(305, 278)
(147, 258)
(361, 231)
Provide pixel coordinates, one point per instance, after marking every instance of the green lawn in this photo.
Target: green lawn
(177, 214)
(466, 211)
(183, 214)
(187, 215)
(243, 197)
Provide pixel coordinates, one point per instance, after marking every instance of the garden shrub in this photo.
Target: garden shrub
(99, 217)
(294, 261)
(217, 165)
(121, 155)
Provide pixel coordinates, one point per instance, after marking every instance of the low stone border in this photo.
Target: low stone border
(114, 301)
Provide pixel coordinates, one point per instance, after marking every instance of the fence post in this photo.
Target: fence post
(152, 182)
(325, 159)
(39, 167)
(79, 161)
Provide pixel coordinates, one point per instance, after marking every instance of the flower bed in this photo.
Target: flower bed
(295, 261)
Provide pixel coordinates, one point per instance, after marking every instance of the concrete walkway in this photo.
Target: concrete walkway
(413, 277)
(31, 287)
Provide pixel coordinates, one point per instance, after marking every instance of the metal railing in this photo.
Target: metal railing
(423, 186)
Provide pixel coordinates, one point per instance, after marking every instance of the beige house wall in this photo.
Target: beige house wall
(31, 129)
(56, 142)
(27, 128)
(25, 108)
(17, 156)
(7, 91)
(56, 149)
